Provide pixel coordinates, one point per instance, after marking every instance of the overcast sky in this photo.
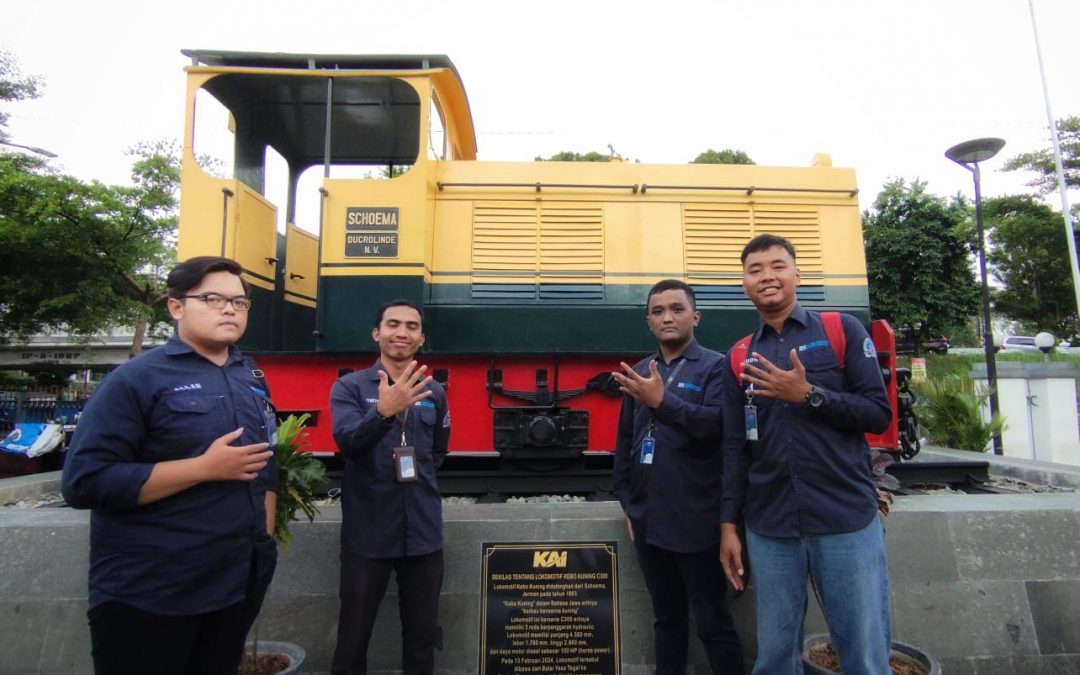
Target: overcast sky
(885, 87)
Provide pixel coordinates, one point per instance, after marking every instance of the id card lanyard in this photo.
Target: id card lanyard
(648, 444)
(750, 412)
(404, 455)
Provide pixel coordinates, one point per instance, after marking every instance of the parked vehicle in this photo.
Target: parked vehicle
(1018, 343)
(906, 343)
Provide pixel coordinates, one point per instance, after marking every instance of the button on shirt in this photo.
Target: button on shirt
(675, 501)
(809, 472)
(191, 552)
(382, 517)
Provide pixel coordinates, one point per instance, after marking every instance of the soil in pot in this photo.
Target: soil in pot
(824, 656)
(263, 664)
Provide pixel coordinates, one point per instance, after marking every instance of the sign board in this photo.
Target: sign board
(371, 232)
(918, 370)
(550, 607)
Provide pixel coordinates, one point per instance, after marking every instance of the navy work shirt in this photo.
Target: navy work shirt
(674, 503)
(809, 472)
(191, 552)
(382, 517)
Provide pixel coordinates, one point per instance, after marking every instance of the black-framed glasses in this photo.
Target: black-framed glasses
(240, 303)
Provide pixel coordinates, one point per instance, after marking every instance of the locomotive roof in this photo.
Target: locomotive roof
(291, 120)
(218, 57)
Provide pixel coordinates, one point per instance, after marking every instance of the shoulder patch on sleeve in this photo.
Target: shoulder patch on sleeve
(869, 351)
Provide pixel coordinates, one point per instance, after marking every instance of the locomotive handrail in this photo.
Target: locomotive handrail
(539, 186)
(749, 189)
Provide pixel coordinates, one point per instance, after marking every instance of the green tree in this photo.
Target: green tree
(81, 257)
(1029, 256)
(14, 86)
(570, 156)
(726, 156)
(918, 259)
(1041, 162)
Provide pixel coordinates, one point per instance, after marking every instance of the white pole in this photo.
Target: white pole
(1057, 161)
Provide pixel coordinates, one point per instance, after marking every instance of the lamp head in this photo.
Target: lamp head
(973, 152)
(1045, 341)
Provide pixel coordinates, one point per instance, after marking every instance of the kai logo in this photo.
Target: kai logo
(549, 558)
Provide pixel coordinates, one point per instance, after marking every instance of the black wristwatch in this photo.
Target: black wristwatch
(386, 419)
(815, 398)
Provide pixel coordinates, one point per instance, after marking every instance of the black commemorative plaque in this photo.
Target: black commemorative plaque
(550, 607)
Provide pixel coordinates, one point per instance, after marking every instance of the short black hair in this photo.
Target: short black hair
(764, 242)
(190, 273)
(398, 303)
(672, 285)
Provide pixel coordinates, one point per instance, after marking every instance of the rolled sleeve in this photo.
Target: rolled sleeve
(101, 469)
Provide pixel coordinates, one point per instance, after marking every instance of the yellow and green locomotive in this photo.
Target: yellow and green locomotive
(532, 275)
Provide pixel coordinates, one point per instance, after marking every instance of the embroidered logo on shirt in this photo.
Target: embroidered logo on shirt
(868, 349)
(819, 344)
(688, 385)
(446, 420)
(372, 400)
(188, 387)
(425, 403)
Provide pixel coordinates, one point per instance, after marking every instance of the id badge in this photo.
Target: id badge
(405, 464)
(750, 413)
(648, 447)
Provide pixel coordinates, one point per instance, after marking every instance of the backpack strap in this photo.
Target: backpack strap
(257, 373)
(834, 333)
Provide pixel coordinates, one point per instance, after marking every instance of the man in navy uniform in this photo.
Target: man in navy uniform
(172, 456)
(668, 466)
(797, 471)
(392, 426)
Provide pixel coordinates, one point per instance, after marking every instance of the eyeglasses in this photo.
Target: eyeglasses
(240, 303)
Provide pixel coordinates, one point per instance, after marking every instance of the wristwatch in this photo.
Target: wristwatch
(815, 398)
(386, 419)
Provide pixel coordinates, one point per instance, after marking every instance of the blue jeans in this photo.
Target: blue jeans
(851, 575)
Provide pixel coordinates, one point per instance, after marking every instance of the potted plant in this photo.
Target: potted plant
(300, 478)
(819, 655)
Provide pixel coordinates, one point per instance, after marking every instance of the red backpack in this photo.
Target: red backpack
(834, 333)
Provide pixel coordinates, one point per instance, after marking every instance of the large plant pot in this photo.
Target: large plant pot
(809, 668)
(295, 654)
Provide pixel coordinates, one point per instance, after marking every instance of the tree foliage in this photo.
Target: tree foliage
(81, 257)
(726, 156)
(14, 86)
(1029, 256)
(1041, 162)
(918, 259)
(570, 156)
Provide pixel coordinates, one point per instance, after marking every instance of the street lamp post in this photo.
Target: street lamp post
(968, 155)
(39, 151)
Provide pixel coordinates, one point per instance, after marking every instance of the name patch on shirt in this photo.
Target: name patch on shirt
(688, 385)
(188, 387)
(819, 344)
(425, 403)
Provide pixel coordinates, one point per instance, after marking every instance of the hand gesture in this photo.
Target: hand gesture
(774, 382)
(649, 390)
(222, 461)
(410, 388)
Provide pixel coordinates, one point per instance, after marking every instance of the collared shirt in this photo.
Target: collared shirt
(191, 552)
(809, 472)
(675, 501)
(382, 517)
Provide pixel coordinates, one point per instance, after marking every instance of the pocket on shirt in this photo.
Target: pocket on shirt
(823, 368)
(188, 423)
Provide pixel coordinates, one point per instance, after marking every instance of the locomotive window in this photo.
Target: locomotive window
(436, 130)
(213, 135)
